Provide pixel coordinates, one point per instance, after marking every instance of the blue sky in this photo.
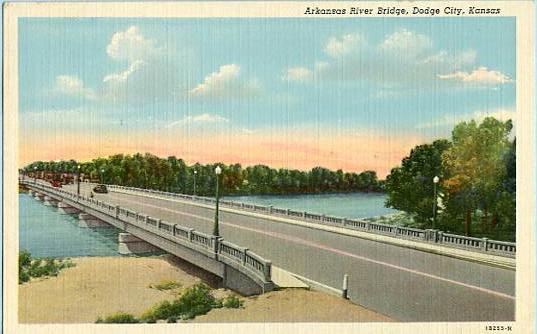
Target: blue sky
(185, 77)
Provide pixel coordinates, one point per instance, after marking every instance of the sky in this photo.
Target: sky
(351, 94)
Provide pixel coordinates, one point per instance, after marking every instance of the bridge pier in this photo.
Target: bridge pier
(87, 220)
(49, 201)
(38, 196)
(66, 209)
(129, 244)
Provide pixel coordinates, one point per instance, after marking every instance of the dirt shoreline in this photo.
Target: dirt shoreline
(99, 286)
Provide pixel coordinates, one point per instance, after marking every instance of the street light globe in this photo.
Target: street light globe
(195, 172)
(102, 170)
(218, 170)
(35, 168)
(78, 167)
(436, 179)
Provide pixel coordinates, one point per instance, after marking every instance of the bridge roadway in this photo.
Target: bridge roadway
(405, 284)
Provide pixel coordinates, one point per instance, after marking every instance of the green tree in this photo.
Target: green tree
(410, 186)
(476, 170)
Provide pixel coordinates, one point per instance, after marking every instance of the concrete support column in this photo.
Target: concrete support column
(87, 220)
(49, 201)
(64, 208)
(129, 244)
(270, 209)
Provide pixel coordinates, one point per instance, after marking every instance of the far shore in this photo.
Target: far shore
(99, 286)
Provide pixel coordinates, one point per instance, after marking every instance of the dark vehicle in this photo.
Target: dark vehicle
(100, 189)
(56, 184)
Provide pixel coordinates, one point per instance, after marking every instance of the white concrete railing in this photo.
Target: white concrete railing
(241, 258)
(495, 247)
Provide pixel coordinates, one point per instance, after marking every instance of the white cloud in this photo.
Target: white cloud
(130, 45)
(479, 76)
(340, 46)
(199, 119)
(72, 85)
(225, 82)
(406, 43)
(123, 76)
(300, 74)
(450, 120)
(402, 59)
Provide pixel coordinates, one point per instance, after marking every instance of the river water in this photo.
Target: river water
(348, 205)
(46, 233)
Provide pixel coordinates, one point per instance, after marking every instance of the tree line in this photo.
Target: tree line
(174, 175)
(476, 189)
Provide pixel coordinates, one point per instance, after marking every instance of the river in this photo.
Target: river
(348, 205)
(46, 233)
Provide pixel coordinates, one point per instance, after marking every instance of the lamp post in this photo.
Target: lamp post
(195, 172)
(35, 174)
(435, 181)
(216, 231)
(102, 175)
(78, 181)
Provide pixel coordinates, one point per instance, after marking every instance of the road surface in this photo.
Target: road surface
(405, 284)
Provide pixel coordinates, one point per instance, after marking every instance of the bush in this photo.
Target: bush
(195, 301)
(36, 267)
(232, 302)
(166, 285)
(118, 318)
(25, 258)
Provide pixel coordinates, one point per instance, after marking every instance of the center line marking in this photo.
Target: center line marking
(330, 249)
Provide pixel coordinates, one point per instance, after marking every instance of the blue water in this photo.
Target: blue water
(46, 233)
(353, 205)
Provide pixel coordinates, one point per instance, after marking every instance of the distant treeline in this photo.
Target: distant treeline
(173, 174)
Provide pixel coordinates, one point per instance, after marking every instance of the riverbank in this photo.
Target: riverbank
(99, 286)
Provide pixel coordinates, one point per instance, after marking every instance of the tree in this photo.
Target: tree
(410, 186)
(476, 169)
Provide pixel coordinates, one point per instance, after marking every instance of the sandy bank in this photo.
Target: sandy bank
(98, 286)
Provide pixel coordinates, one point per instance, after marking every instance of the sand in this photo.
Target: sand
(99, 286)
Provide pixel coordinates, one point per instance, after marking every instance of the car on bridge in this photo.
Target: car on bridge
(100, 189)
(56, 184)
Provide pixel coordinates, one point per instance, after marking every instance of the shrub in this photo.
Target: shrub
(36, 267)
(195, 301)
(166, 285)
(232, 302)
(118, 318)
(25, 258)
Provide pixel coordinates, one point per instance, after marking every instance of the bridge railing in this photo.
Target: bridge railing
(429, 235)
(239, 257)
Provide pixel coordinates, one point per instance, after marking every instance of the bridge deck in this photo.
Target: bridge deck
(406, 284)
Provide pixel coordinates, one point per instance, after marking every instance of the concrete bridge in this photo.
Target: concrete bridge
(408, 278)
(240, 269)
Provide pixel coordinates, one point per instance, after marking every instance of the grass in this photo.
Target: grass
(196, 300)
(36, 267)
(166, 285)
(118, 318)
